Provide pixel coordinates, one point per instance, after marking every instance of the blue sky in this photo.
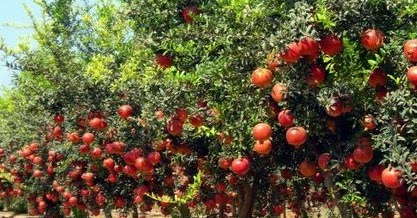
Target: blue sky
(12, 11)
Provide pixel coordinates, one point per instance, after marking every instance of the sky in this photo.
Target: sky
(12, 11)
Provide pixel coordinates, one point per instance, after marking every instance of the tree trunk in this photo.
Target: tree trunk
(184, 211)
(107, 213)
(6, 205)
(247, 196)
(135, 213)
(221, 211)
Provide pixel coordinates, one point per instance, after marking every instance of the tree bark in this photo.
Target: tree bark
(245, 209)
(221, 211)
(107, 213)
(135, 213)
(184, 211)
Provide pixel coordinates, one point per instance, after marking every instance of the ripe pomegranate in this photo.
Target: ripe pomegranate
(72, 201)
(331, 45)
(381, 93)
(174, 127)
(316, 76)
(119, 202)
(111, 178)
(336, 108)
(37, 160)
(307, 168)
(163, 61)
(369, 122)
(262, 77)
(141, 190)
(37, 173)
(263, 147)
(273, 64)
(240, 166)
(109, 164)
(292, 53)
(278, 209)
(143, 164)
(88, 177)
(88, 138)
(410, 50)
(262, 131)
(363, 153)
(59, 118)
(115, 147)
(375, 173)
(84, 192)
(221, 187)
(378, 78)
(309, 48)
(131, 156)
(189, 12)
(285, 118)
(296, 136)
(225, 162)
(57, 132)
(279, 92)
(100, 199)
(412, 75)
(130, 171)
(196, 120)
(323, 161)
(154, 157)
(391, 177)
(125, 111)
(220, 198)
(372, 39)
(96, 153)
(181, 114)
(350, 163)
(84, 149)
(97, 123)
(73, 137)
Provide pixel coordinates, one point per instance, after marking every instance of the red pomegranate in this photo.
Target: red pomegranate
(350, 163)
(292, 54)
(278, 92)
(410, 50)
(163, 61)
(263, 147)
(262, 131)
(316, 76)
(375, 173)
(240, 166)
(391, 177)
(88, 138)
(331, 45)
(378, 78)
(189, 12)
(412, 75)
(225, 162)
(363, 153)
(296, 136)
(309, 48)
(323, 161)
(125, 111)
(262, 77)
(307, 168)
(372, 39)
(285, 118)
